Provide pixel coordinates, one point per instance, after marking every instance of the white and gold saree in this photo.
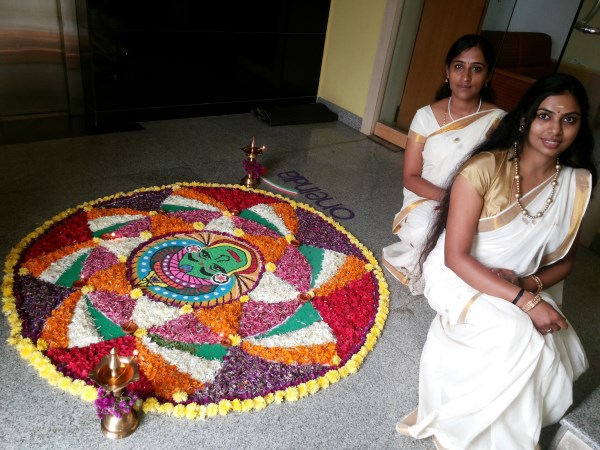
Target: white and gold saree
(445, 147)
(488, 379)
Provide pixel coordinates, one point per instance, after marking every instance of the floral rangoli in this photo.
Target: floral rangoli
(232, 298)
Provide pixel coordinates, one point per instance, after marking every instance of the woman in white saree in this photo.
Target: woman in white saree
(440, 136)
(500, 359)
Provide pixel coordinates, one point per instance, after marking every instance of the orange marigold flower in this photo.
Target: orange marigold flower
(112, 279)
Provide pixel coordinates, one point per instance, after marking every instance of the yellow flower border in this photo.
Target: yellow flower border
(191, 411)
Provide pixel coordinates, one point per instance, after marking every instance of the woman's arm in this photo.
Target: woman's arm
(413, 169)
(463, 216)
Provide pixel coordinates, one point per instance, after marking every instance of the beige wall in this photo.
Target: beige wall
(350, 47)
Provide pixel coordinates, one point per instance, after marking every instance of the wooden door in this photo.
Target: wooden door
(442, 22)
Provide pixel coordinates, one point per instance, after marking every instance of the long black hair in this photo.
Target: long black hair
(513, 130)
(465, 43)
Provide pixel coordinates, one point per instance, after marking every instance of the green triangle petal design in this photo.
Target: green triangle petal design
(106, 327)
(174, 208)
(251, 215)
(73, 273)
(112, 228)
(304, 317)
(206, 351)
(314, 256)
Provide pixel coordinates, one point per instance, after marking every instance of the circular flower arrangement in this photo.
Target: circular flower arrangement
(232, 298)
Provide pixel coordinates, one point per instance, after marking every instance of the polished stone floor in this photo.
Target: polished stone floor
(43, 178)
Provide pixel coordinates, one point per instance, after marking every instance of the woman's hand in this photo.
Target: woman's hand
(546, 319)
(506, 274)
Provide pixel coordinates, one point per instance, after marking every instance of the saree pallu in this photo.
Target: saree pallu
(488, 379)
(445, 147)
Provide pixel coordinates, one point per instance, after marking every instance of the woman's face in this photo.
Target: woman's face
(467, 73)
(555, 126)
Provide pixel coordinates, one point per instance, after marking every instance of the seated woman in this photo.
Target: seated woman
(500, 359)
(440, 136)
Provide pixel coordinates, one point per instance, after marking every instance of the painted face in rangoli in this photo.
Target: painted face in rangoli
(204, 262)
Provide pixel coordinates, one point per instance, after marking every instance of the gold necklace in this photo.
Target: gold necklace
(549, 200)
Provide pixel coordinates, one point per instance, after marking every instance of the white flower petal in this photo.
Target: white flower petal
(108, 221)
(267, 212)
(57, 268)
(148, 313)
(200, 369)
(332, 261)
(316, 334)
(271, 289)
(221, 224)
(177, 200)
(122, 246)
(82, 329)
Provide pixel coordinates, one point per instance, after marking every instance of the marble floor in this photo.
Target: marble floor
(45, 177)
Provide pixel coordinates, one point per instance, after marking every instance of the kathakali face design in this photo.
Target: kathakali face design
(200, 269)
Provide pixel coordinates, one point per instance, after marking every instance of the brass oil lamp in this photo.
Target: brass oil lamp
(113, 373)
(251, 165)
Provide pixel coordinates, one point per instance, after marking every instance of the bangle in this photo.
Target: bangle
(531, 303)
(519, 295)
(539, 283)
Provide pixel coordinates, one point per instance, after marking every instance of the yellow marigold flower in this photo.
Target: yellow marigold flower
(42, 345)
(87, 208)
(96, 239)
(201, 412)
(64, 383)
(271, 267)
(302, 390)
(53, 378)
(8, 306)
(291, 394)
(140, 333)
(212, 410)
(244, 298)
(369, 267)
(122, 258)
(289, 238)
(224, 407)
(198, 226)
(6, 291)
(279, 395)
(89, 394)
(351, 366)
(269, 398)
(23, 271)
(175, 187)
(235, 339)
(180, 396)
(236, 405)
(238, 232)
(247, 404)
(26, 351)
(166, 408)
(336, 359)
(227, 214)
(136, 293)
(260, 403)
(87, 289)
(343, 372)
(146, 235)
(191, 411)
(333, 376)
(323, 382)
(150, 405)
(186, 309)
(179, 411)
(312, 386)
